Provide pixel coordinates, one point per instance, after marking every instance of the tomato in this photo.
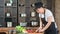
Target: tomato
(29, 31)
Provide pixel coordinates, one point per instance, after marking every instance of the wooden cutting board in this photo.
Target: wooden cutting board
(35, 33)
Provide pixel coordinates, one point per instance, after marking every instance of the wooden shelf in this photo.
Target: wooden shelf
(11, 17)
(11, 6)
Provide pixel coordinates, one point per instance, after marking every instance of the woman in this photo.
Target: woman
(46, 18)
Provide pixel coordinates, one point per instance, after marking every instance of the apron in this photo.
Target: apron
(52, 29)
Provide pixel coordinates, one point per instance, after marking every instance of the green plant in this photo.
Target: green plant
(20, 29)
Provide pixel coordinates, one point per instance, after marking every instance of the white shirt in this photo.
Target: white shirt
(47, 14)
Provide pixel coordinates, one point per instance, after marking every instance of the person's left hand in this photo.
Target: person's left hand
(41, 30)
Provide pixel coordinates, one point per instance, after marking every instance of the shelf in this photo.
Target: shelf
(8, 17)
(11, 17)
(10, 6)
(14, 16)
(33, 18)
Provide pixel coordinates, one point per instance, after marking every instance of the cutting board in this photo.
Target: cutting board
(35, 33)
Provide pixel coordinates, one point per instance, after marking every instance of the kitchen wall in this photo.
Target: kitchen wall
(57, 13)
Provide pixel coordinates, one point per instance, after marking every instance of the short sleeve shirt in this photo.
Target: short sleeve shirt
(47, 14)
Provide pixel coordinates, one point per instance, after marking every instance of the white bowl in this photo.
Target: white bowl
(23, 24)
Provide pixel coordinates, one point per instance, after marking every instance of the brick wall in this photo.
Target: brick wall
(57, 13)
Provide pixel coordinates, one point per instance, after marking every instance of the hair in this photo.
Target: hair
(38, 5)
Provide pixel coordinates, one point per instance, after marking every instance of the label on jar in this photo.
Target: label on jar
(23, 15)
(9, 24)
(32, 14)
(9, 4)
(8, 14)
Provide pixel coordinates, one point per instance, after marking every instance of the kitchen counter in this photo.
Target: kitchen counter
(7, 29)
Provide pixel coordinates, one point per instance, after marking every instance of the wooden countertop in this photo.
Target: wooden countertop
(35, 33)
(3, 29)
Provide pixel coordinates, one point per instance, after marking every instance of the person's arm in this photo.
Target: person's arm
(40, 25)
(48, 24)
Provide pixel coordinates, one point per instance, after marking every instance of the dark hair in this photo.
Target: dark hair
(38, 5)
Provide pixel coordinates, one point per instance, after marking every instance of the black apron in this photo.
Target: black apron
(52, 29)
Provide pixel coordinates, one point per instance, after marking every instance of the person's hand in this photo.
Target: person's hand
(40, 28)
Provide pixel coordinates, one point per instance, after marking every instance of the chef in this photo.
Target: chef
(47, 22)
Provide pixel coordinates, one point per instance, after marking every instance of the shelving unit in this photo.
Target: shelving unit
(13, 12)
(4, 9)
(24, 6)
(17, 8)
